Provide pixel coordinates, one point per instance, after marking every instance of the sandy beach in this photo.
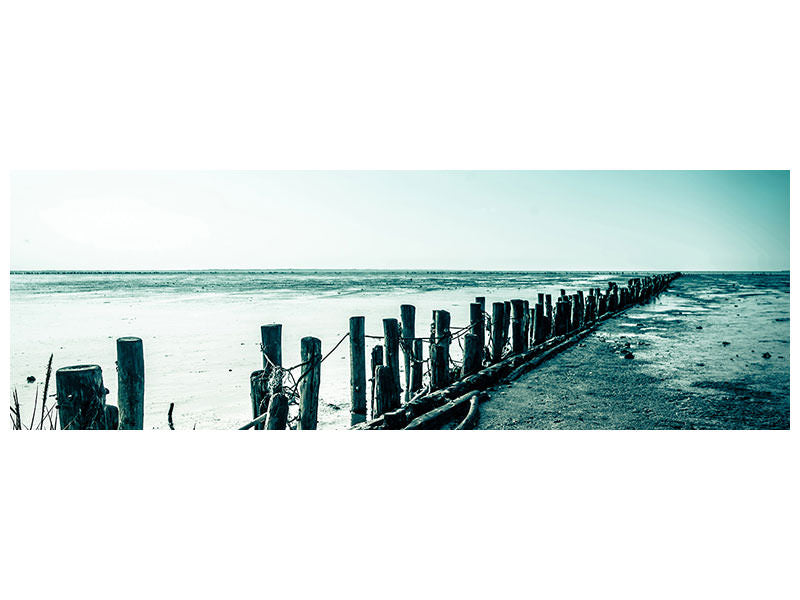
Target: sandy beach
(711, 353)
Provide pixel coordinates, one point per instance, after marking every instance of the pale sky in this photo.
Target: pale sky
(482, 220)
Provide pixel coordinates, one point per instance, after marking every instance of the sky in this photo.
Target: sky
(473, 220)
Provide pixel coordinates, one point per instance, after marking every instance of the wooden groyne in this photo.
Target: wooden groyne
(499, 343)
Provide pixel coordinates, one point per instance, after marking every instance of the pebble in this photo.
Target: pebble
(726, 343)
(699, 327)
(31, 378)
(628, 355)
(766, 355)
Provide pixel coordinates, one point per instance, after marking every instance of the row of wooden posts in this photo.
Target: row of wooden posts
(512, 327)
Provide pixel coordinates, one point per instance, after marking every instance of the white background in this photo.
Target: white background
(362, 85)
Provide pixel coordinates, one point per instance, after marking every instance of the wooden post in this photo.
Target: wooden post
(278, 410)
(575, 321)
(259, 394)
(526, 324)
(506, 321)
(358, 372)
(539, 329)
(81, 397)
(416, 368)
(478, 323)
(517, 326)
(440, 350)
(540, 299)
(386, 394)
(562, 317)
(266, 382)
(391, 351)
(548, 315)
(498, 308)
(271, 345)
(376, 360)
(408, 319)
(311, 354)
(482, 301)
(472, 354)
(130, 382)
(591, 308)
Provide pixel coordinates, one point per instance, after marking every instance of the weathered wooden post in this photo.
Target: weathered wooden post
(386, 393)
(259, 394)
(602, 306)
(81, 397)
(416, 368)
(562, 317)
(548, 316)
(267, 381)
(271, 345)
(391, 350)
(408, 315)
(358, 372)
(477, 323)
(540, 298)
(591, 308)
(130, 382)
(278, 410)
(498, 308)
(506, 321)
(441, 357)
(539, 329)
(472, 354)
(532, 327)
(517, 326)
(311, 356)
(526, 323)
(376, 360)
(575, 321)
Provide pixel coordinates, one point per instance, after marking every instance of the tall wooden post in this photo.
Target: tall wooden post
(358, 372)
(81, 397)
(440, 357)
(472, 354)
(376, 360)
(517, 328)
(408, 319)
(130, 382)
(267, 381)
(498, 308)
(548, 315)
(311, 355)
(271, 345)
(539, 329)
(477, 321)
(506, 321)
(391, 350)
(416, 368)
(575, 321)
(562, 317)
(386, 394)
(526, 323)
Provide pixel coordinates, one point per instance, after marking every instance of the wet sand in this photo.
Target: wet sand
(711, 353)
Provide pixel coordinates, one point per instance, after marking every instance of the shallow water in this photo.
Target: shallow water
(201, 329)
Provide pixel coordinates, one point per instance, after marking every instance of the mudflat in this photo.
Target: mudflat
(711, 353)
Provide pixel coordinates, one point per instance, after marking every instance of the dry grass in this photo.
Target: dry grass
(47, 416)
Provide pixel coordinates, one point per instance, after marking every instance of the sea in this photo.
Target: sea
(201, 329)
